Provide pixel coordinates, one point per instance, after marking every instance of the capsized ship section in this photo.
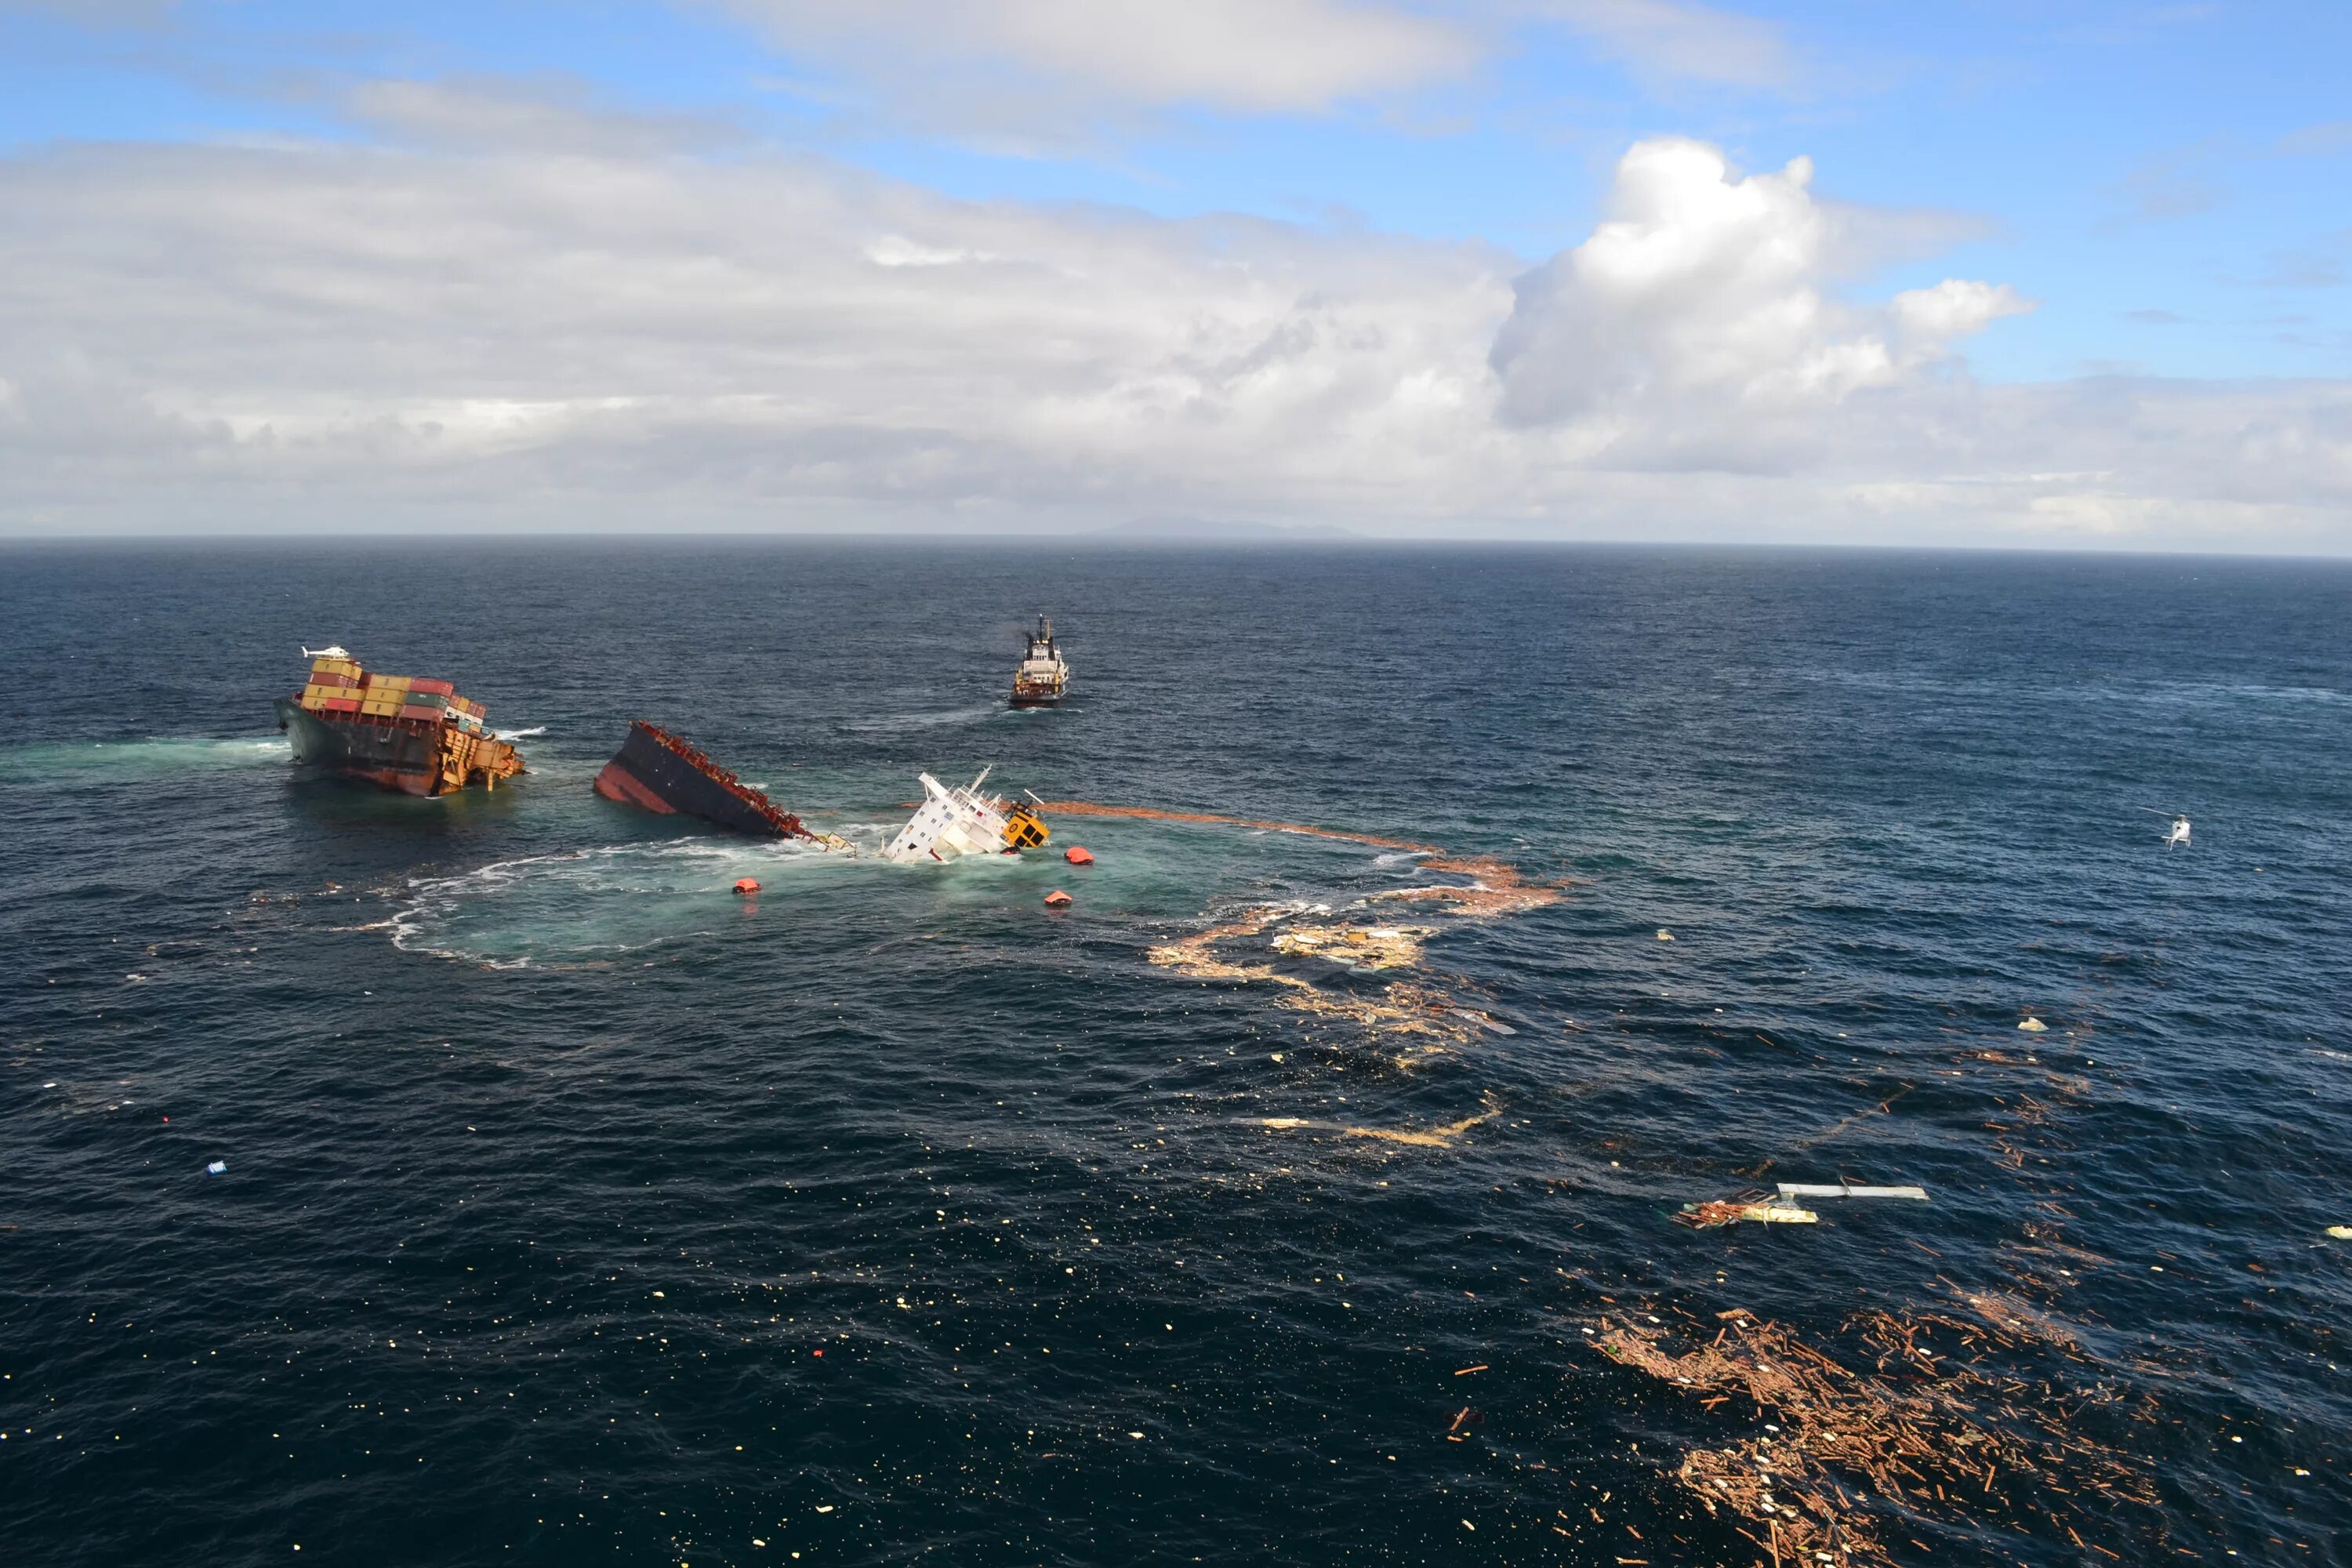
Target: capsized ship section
(952, 823)
(409, 733)
(662, 773)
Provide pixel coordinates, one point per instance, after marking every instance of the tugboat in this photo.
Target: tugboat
(1044, 675)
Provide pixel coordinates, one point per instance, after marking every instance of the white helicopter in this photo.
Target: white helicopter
(331, 651)
(2177, 836)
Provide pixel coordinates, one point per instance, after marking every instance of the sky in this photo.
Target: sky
(1981, 274)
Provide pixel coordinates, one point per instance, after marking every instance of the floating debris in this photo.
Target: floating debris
(1077, 856)
(1845, 1190)
(218, 1168)
(1849, 1450)
(1365, 948)
(1664, 936)
(1733, 1211)
(1152, 813)
(2340, 1232)
(1057, 900)
(1414, 1137)
(2034, 1025)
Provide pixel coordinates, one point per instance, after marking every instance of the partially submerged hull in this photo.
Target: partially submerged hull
(953, 823)
(658, 772)
(399, 733)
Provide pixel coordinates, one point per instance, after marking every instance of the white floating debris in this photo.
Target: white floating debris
(2340, 1232)
(1842, 1190)
(2034, 1025)
(1665, 935)
(218, 1167)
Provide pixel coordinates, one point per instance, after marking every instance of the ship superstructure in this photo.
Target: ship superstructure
(410, 734)
(1044, 675)
(952, 823)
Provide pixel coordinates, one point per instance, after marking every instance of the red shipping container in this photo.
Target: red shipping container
(339, 704)
(441, 687)
(431, 714)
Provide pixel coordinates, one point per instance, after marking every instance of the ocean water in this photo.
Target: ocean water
(573, 1210)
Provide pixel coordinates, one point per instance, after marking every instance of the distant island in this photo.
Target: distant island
(1200, 530)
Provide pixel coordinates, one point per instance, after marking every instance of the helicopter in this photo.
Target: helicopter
(2177, 836)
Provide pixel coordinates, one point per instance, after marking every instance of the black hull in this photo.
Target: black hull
(650, 775)
(395, 756)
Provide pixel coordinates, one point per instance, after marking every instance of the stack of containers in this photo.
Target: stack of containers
(383, 696)
(426, 700)
(334, 686)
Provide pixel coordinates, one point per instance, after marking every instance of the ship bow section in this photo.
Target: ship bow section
(659, 771)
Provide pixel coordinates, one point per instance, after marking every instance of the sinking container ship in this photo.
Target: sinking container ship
(404, 733)
(1043, 675)
(661, 773)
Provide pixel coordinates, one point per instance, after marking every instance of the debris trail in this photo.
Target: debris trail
(1859, 1449)
(1152, 813)
(1418, 1137)
(1404, 1007)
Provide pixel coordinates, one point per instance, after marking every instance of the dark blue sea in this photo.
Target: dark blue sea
(573, 1210)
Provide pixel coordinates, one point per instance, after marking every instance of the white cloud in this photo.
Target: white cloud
(1288, 56)
(1703, 300)
(558, 116)
(1954, 309)
(609, 335)
(1025, 73)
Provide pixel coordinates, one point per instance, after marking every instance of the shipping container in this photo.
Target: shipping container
(438, 688)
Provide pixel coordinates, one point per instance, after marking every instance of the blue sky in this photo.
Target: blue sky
(2165, 185)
